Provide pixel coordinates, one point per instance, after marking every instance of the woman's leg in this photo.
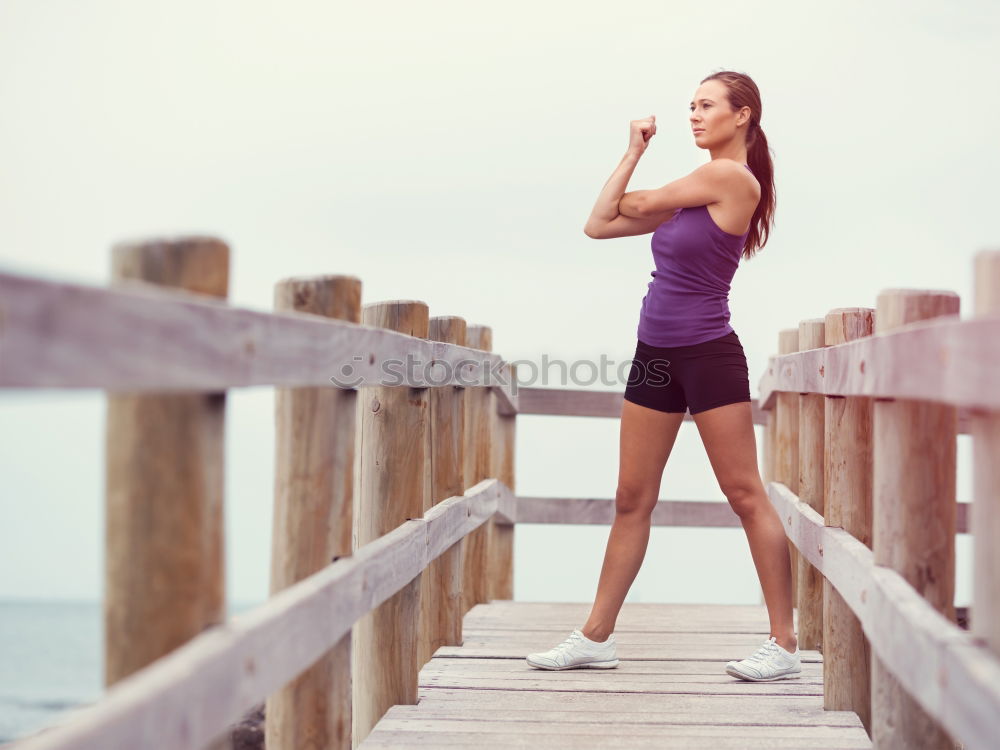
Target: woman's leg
(728, 436)
(646, 437)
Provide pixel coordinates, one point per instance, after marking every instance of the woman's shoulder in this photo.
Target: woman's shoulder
(738, 173)
(733, 178)
(731, 166)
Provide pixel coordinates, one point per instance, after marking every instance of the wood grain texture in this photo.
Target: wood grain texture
(985, 522)
(847, 472)
(786, 441)
(500, 582)
(442, 608)
(809, 583)
(137, 336)
(585, 402)
(948, 360)
(478, 454)
(312, 521)
(164, 530)
(669, 691)
(391, 488)
(913, 507)
(585, 510)
(768, 440)
(192, 694)
(956, 679)
(901, 393)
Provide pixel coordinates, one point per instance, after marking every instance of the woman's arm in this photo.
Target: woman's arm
(606, 207)
(606, 221)
(629, 203)
(710, 183)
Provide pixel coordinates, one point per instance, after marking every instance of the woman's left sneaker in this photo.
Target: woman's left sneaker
(769, 662)
(575, 652)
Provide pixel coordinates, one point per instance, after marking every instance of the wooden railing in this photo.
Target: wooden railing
(865, 405)
(395, 505)
(373, 524)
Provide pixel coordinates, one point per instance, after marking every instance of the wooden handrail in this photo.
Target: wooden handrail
(186, 698)
(142, 337)
(945, 360)
(672, 512)
(954, 677)
(586, 402)
(897, 397)
(137, 337)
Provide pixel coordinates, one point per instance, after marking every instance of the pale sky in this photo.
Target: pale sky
(451, 152)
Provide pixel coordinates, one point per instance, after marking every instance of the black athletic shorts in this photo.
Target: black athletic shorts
(694, 378)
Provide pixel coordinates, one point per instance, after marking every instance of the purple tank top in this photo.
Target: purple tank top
(687, 301)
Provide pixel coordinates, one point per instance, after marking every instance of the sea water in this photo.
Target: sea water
(51, 660)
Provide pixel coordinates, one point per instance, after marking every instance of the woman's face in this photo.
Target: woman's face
(712, 120)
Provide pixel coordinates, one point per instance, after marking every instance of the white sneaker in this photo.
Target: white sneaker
(769, 662)
(577, 651)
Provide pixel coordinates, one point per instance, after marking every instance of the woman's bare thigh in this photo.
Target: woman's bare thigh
(646, 439)
(727, 433)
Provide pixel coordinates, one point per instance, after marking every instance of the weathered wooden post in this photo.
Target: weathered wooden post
(164, 531)
(786, 441)
(914, 457)
(313, 495)
(390, 488)
(501, 576)
(767, 448)
(442, 610)
(847, 485)
(809, 580)
(767, 468)
(985, 521)
(479, 417)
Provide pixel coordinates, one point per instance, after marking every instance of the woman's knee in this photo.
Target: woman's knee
(635, 499)
(745, 499)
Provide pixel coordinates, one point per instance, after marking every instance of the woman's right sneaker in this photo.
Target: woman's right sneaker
(769, 662)
(575, 652)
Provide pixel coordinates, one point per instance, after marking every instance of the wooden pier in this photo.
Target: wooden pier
(668, 691)
(392, 620)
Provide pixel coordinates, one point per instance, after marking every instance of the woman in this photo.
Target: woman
(688, 357)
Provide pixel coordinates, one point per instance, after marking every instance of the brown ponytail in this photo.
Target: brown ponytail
(743, 92)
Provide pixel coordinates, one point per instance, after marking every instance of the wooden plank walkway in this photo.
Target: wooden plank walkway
(670, 689)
